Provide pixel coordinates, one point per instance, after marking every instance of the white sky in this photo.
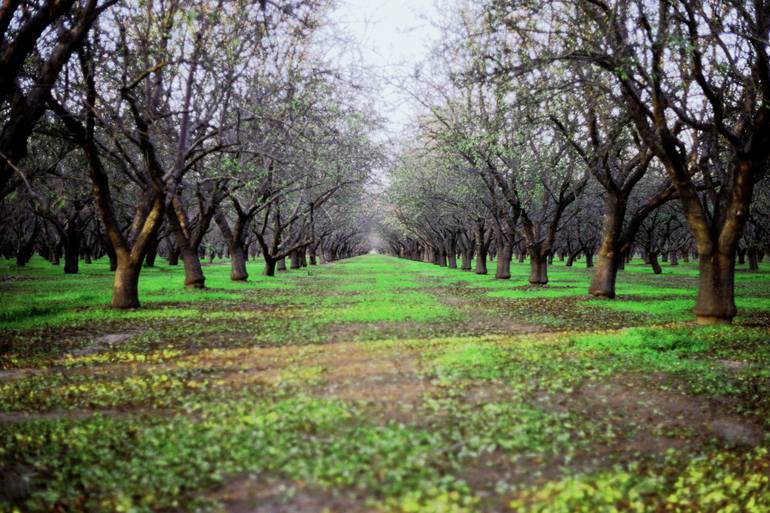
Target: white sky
(389, 37)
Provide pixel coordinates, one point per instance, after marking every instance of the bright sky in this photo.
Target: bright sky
(389, 37)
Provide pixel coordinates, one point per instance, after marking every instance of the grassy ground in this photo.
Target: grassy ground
(377, 384)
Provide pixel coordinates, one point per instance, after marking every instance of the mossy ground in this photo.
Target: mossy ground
(378, 384)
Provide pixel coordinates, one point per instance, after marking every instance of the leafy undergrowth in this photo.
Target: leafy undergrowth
(383, 385)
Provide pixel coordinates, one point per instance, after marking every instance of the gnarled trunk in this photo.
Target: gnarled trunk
(238, 263)
(282, 264)
(193, 272)
(673, 258)
(603, 282)
(538, 269)
(152, 253)
(27, 248)
(505, 252)
(270, 265)
(296, 261)
(753, 259)
(715, 303)
(125, 290)
(467, 259)
(71, 251)
(451, 251)
(652, 256)
(441, 257)
(173, 256)
(610, 256)
(481, 248)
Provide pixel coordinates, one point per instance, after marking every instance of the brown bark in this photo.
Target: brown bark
(26, 248)
(173, 256)
(125, 290)
(609, 254)
(152, 252)
(603, 282)
(72, 249)
(503, 268)
(187, 243)
(193, 272)
(467, 258)
(538, 265)
(296, 261)
(673, 258)
(715, 303)
(653, 260)
(481, 248)
(753, 259)
(238, 264)
(269, 266)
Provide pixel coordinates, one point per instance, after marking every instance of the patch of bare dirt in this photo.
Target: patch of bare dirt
(103, 343)
(667, 412)
(254, 495)
(17, 417)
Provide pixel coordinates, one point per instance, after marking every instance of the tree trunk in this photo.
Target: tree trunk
(441, 257)
(481, 259)
(481, 248)
(27, 248)
(71, 252)
(173, 256)
(589, 259)
(270, 265)
(295, 260)
(452, 260)
(467, 259)
(111, 255)
(56, 255)
(653, 260)
(673, 258)
(152, 253)
(125, 291)
(238, 263)
(603, 282)
(753, 259)
(503, 269)
(716, 292)
(193, 272)
(741, 256)
(538, 266)
(282, 264)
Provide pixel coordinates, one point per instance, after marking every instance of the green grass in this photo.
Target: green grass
(393, 385)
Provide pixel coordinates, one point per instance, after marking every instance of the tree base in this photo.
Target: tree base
(709, 320)
(602, 294)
